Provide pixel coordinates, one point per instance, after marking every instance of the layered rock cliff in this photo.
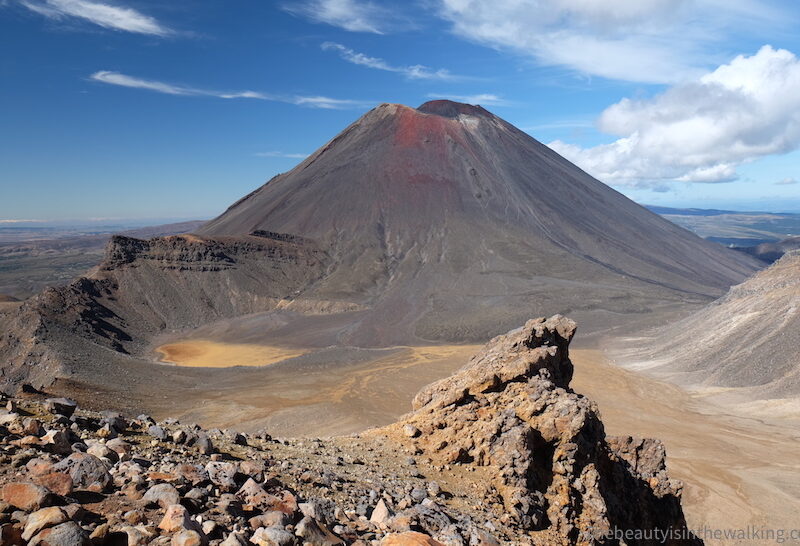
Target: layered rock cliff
(146, 287)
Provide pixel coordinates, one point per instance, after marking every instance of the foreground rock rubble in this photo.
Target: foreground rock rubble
(501, 453)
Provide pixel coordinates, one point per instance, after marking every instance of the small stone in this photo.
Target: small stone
(120, 447)
(100, 451)
(106, 431)
(411, 431)
(235, 539)
(314, 532)
(61, 406)
(192, 473)
(381, 514)
(222, 475)
(188, 538)
(138, 536)
(162, 494)
(410, 538)
(134, 517)
(57, 441)
(272, 536)
(157, 432)
(203, 444)
(177, 518)
(11, 534)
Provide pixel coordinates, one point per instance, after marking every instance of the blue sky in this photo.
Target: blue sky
(144, 109)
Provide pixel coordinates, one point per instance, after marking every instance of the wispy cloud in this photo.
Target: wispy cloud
(653, 41)
(352, 15)
(110, 16)
(700, 131)
(19, 221)
(483, 99)
(414, 72)
(123, 80)
(327, 102)
(786, 182)
(282, 154)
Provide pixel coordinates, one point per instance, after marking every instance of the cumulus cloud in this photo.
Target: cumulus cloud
(115, 17)
(483, 99)
(654, 41)
(123, 80)
(700, 131)
(352, 15)
(414, 72)
(786, 182)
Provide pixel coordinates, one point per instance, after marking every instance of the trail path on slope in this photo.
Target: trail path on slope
(738, 471)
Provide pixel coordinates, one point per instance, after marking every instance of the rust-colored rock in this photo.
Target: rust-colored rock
(27, 496)
(57, 482)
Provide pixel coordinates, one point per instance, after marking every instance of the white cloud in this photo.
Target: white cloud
(352, 15)
(123, 80)
(282, 154)
(700, 131)
(483, 99)
(414, 72)
(327, 102)
(105, 15)
(786, 182)
(655, 41)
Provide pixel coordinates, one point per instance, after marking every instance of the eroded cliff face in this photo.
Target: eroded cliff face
(145, 287)
(510, 411)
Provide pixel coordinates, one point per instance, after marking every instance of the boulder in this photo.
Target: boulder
(88, 473)
(42, 519)
(27, 496)
(66, 534)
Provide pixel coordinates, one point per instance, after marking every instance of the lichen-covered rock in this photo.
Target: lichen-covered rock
(511, 409)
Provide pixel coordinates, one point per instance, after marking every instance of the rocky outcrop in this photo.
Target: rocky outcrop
(510, 412)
